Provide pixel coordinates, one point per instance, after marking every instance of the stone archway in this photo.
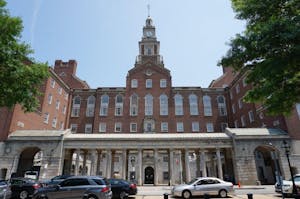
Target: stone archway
(267, 164)
(149, 175)
(29, 160)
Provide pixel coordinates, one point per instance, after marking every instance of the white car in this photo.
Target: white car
(287, 185)
(203, 185)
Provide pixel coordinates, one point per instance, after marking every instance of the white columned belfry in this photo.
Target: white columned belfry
(187, 166)
(203, 163)
(140, 158)
(108, 167)
(219, 162)
(125, 163)
(155, 167)
(94, 161)
(171, 166)
(77, 152)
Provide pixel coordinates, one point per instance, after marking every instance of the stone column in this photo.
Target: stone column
(108, 167)
(76, 172)
(84, 167)
(125, 163)
(140, 159)
(219, 162)
(187, 166)
(94, 160)
(155, 167)
(171, 166)
(203, 163)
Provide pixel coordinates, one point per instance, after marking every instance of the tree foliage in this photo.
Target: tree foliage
(269, 50)
(20, 76)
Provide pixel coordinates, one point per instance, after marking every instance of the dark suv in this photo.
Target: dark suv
(77, 187)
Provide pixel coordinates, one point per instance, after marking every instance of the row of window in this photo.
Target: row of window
(164, 127)
(59, 89)
(163, 104)
(240, 105)
(54, 121)
(243, 119)
(148, 83)
(57, 104)
(237, 87)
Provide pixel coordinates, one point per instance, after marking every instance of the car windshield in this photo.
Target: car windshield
(192, 181)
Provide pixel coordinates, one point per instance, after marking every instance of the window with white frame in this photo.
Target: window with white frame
(119, 105)
(148, 104)
(207, 105)
(163, 102)
(104, 105)
(164, 127)
(276, 123)
(73, 128)
(102, 127)
(237, 88)
(66, 95)
(179, 126)
(134, 83)
(76, 107)
(223, 126)
(52, 83)
(298, 109)
(49, 98)
(133, 127)
(118, 127)
(133, 105)
(64, 110)
(57, 105)
(193, 100)
(163, 83)
(61, 125)
(236, 124)
(90, 106)
(46, 118)
(54, 121)
(251, 116)
(240, 102)
(195, 126)
(209, 127)
(233, 108)
(88, 128)
(243, 121)
(178, 104)
(221, 105)
(148, 83)
(244, 82)
(59, 90)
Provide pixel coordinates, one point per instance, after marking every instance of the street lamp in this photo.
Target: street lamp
(287, 149)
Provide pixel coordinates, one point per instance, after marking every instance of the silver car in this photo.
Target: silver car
(202, 186)
(5, 191)
(287, 186)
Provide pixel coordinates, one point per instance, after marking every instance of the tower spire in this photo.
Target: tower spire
(148, 8)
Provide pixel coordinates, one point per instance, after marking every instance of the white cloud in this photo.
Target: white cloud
(36, 9)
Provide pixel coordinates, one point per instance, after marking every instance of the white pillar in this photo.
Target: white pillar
(187, 166)
(155, 167)
(94, 160)
(171, 161)
(125, 163)
(76, 172)
(203, 163)
(108, 167)
(140, 182)
(219, 162)
(84, 167)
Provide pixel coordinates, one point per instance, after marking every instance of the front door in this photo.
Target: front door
(149, 175)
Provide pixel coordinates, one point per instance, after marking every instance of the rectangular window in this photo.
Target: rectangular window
(133, 127)
(102, 127)
(163, 83)
(118, 127)
(148, 83)
(298, 109)
(66, 96)
(236, 124)
(73, 128)
(134, 83)
(233, 108)
(75, 112)
(54, 121)
(88, 128)
(180, 127)
(52, 83)
(61, 125)
(195, 126)
(164, 127)
(243, 121)
(223, 126)
(90, 111)
(209, 127)
(50, 98)
(46, 118)
(251, 116)
(119, 111)
(237, 89)
(60, 90)
(103, 110)
(244, 82)
(276, 123)
(64, 109)
(57, 104)
(166, 175)
(240, 103)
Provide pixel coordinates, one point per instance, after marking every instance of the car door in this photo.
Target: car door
(116, 187)
(202, 187)
(16, 186)
(63, 191)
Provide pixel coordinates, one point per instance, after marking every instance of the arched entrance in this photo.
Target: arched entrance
(267, 164)
(30, 160)
(149, 175)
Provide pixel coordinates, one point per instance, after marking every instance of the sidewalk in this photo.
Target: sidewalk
(259, 196)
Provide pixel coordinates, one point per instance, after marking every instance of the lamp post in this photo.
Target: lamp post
(287, 149)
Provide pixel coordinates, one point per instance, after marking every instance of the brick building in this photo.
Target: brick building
(148, 131)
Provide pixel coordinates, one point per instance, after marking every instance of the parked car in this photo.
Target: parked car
(23, 187)
(202, 186)
(86, 187)
(122, 188)
(5, 191)
(287, 186)
(55, 180)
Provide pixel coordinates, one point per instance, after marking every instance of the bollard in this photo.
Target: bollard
(206, 196)
(166, 196)
(250, 195)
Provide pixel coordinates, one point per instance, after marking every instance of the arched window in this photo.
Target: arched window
(119, 105)
(148, 104)
(104, 105)
(221, 105)
(134, 105)
(90, 106)
(178, 104)
(76, 107)
(163, 102)
(193, 104)
(207, 106)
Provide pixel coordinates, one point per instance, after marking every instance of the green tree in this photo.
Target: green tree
(269, 51)
(20, 76)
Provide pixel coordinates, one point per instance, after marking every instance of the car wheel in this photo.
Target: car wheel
(23, 194)
(92, 197)
(223, 193)
(186, 194)
(123, 195)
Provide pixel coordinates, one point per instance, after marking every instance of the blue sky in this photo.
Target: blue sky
(103, 35)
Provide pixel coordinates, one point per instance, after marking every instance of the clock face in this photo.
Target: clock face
(149, 33)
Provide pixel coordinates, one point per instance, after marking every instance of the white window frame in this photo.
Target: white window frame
(134, 83)
(179, 127)
(164, 126)
(118, 127)
(224, 125)
(74, 128)
(236, 124)
(102, 127)
(243, 121)
(133, 106)
(209, 127)
(57, 104)
(193, 101)
(76, 107)
(298, 109)
(60, 90)
(133, 127)
(237, 89)
(178, 99)
(163, 104)
(148, 83)
(244, 82)
(251, 116)
(50, 98)
(222, 105)
(163, 83)
(64, 110)
(54, 122)
(240, 102)
(61, 125)
(52, 83)
(207, 105)
(148, 104)
(195, 127)
(46, 118)
(119, 105)
(88, 128)
(90, 106)
(104, 105)
(233, 108)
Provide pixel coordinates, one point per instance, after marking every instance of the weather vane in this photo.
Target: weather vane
(148, 7)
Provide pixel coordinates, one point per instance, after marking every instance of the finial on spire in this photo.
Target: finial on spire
(148, 7)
